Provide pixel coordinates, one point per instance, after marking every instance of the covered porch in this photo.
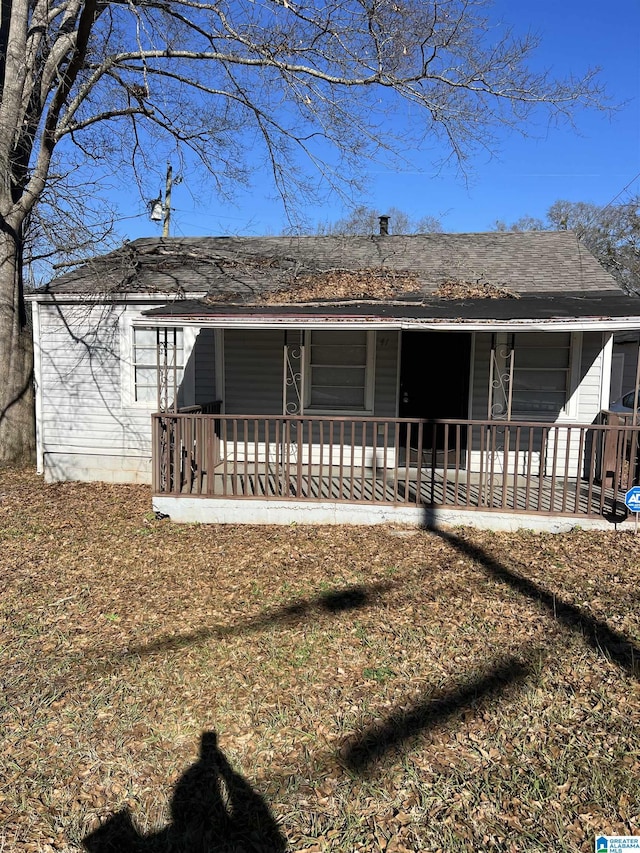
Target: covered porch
(529, 468)
(387, 418)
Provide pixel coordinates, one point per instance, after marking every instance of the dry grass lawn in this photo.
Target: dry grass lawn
(370, 689)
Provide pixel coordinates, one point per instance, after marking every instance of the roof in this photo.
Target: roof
(246, 270)
(505, 278)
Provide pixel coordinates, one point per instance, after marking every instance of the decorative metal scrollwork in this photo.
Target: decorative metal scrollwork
(500, 382)
(293, 380)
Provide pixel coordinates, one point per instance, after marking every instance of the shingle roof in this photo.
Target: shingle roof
(242, 269)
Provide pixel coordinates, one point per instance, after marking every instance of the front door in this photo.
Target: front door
(434, 379)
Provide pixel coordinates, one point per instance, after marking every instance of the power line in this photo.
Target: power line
(600, 210)
(134, 216)
(623, 190)
(208, 215)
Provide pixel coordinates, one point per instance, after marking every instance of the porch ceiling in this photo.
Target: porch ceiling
(602, 309)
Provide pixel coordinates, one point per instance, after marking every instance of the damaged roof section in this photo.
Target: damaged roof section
(543, 307)
(338, 285)
(244, 271)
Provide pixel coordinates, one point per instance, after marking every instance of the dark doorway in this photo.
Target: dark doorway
(434, 379)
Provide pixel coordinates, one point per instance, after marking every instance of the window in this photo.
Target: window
(340, 371)
(541, 374)
(157, 349)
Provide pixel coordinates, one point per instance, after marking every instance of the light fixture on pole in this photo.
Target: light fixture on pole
(155, 209)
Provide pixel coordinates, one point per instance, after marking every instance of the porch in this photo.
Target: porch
(530, 468)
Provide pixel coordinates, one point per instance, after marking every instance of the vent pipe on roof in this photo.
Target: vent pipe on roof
(384, 225)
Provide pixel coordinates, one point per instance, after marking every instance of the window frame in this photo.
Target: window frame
(152, 404)
(369, 376)
(569, 409)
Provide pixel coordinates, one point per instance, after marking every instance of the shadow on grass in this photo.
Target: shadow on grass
(213, 810)
(336, 601)
(615, 645)
(371, 744)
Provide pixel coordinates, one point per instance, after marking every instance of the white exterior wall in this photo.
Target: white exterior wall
(89, 426)
(595, 376)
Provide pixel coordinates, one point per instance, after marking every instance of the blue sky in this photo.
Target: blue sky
(525, 177)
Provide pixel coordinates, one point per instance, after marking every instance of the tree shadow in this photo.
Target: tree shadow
(596, 633)
(334, 601)
(213, 810)
(372, 743)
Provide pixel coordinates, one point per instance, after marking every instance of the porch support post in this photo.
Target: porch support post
(501, 362)
(161, 374)
(167, 368)
(511, 357)
(492, 367)
(293, 377)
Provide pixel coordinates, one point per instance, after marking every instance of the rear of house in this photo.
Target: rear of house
(337, 378)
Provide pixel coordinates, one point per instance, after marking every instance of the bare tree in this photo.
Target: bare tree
(91, 81)
(365, 220)
(611, 232)
(524, 223)
(68, 223)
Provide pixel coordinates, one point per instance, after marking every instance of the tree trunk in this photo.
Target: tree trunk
(17, 417)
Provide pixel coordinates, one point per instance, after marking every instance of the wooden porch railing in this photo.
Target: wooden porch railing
(524, 467)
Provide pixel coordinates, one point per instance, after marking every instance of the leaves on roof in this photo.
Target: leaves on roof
(345, 284)
(454, 289)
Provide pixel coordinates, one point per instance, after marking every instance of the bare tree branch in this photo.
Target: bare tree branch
(312, 89)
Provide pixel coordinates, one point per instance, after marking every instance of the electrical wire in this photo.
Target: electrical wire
(616, 196)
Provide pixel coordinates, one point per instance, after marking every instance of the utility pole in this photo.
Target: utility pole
(167, 201)
(160, 211)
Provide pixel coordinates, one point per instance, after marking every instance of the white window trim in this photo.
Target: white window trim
(189, 335)
(127, 372)
(569, 412)
(609, 358)
(369, 379)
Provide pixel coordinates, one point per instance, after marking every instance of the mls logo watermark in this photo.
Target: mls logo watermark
(615, 843)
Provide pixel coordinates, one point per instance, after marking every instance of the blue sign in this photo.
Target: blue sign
(632, 499)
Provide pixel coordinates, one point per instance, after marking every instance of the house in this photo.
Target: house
(353, 379)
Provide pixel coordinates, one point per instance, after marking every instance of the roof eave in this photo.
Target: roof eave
(603, 324)
(58, 297)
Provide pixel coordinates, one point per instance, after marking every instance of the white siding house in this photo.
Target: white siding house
(483, 333)
(91, 423)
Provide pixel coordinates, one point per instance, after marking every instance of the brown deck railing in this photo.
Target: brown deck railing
(528, 467)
